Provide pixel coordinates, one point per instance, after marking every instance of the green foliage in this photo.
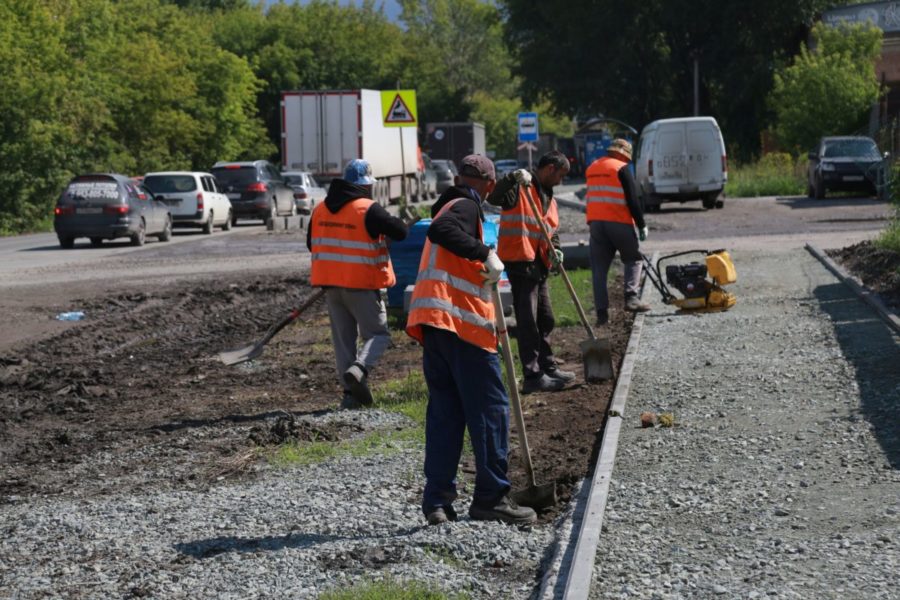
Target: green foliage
(829, 90)
(392, 590)
(776, 174)
(635, 60)
(89, 87)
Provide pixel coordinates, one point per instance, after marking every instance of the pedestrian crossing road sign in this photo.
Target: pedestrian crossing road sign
(399, 108)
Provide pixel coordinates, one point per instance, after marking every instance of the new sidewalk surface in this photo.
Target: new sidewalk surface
(781, 478)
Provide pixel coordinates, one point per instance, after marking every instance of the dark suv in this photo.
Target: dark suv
(106, 206)
(256, 190)
(848, 163)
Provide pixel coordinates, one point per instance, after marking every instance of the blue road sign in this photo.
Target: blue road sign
(528, 127)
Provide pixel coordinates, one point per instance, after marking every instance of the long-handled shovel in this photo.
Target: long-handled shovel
(250, 352)
(535, 496)
(595, 352)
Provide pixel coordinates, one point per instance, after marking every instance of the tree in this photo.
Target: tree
(828, 90)
(635, 61)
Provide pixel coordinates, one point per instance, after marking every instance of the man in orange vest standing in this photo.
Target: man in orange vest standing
(451, 314)
(346, 237)
(525, 252)
(613, 212)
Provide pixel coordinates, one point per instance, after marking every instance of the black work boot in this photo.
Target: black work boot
(356, 379)
(504, 510)
(544, 383)
(348, 402)
(555, 372)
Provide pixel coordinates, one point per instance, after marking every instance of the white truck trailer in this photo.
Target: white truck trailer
(323, 130)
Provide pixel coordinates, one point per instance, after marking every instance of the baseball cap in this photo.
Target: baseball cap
(620, 146)
(359, 172)
(476, 165)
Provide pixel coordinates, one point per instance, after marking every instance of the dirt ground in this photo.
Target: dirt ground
(877, 268)
(138, 382)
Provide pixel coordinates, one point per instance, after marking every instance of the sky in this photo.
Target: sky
(391, 7)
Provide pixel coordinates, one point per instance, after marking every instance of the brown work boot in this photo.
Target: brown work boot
(504, 510)
(441, 514)
(634, 304)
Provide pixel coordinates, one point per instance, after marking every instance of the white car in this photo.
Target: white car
(307, 191)
(193, 197)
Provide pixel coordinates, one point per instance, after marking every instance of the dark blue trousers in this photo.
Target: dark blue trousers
(465, 390)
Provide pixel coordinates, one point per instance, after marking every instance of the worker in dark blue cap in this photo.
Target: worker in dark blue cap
(347, 238)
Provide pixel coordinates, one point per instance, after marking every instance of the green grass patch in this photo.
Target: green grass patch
(392, 590)
(563, 308)
(407, 396)
(890, 237)
(776, 174)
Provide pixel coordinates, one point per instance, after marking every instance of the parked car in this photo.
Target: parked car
(681, 159)
(106, 206)
(446, 171)
(307, 191)
(504, 166)
(256, 190)
(847, 163)
(429, 177)
(193, 198)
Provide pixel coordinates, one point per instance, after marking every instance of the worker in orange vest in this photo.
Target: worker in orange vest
(524, 249)
(346, 237)
(452, 316)
(613, 211)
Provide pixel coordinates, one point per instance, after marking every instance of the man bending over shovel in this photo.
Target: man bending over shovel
(346, 237)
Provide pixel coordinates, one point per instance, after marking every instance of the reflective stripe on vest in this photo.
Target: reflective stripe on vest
(343, 253)
(520, 238)
(605, 196)
(449, 295)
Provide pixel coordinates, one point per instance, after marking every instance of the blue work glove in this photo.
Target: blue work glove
(642, 233)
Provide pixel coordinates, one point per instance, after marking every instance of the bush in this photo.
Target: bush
(776, 174)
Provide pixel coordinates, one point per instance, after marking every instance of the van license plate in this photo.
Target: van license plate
(89, 210)
(853, 177)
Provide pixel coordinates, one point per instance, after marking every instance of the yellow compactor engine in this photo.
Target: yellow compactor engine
(699, 283)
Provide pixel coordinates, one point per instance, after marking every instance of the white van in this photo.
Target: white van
(680, 160)
(194, 199)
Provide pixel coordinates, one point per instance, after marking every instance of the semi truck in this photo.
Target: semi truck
(453, 141)
(322, 130)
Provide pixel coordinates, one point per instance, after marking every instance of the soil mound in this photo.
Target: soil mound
(877, 268)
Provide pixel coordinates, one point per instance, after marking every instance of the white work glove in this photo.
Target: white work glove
(559, 256)
(642, 233)
(493, 267)
(522, 176)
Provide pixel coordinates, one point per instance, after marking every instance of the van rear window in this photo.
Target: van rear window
(170, 184)
(93, 191)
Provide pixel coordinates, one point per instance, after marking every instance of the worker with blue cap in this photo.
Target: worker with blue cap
(347, 238)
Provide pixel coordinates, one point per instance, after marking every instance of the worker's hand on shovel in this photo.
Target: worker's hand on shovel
(493, 267)
(523, 177)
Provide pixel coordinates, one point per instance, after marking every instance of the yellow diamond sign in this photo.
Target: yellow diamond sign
(399, 108)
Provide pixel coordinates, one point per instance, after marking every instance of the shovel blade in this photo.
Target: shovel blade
(240, 355)
(538, 497)
(597, 358)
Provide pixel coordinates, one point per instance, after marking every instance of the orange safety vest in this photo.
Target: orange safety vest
(520, 237)
(343, 252)
(450, 294)
(605, 195)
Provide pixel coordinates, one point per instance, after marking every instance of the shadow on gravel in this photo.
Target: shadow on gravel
(202, 549)
(871, 347)
(806, 202)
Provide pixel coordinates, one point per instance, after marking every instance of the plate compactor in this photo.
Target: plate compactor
(700, 284)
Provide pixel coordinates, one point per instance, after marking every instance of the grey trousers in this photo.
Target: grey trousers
(357, 314)
(606, 238)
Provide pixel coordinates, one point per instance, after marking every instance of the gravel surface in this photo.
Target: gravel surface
(781, 477)
(292, 532)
